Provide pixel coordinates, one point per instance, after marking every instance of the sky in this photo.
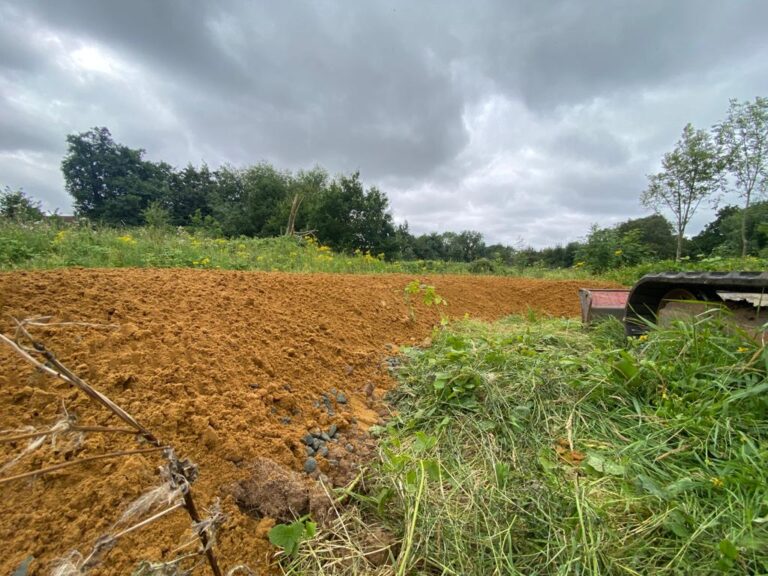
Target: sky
(527, 121)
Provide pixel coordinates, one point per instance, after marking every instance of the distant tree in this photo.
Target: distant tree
(744, 139)
(17, 206)
(305, 184)
(191, 191)
(716, 234)
(347, 217)
(430, 247)
(465, 246)
(405, 242)
(607, 248)
(654, 232)
(156, 215)
(692, 172)
(108, 181)
(248, 200)
(500, 253)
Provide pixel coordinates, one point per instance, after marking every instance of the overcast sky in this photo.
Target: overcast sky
(525, 120)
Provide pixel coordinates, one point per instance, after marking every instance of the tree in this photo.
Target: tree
(111, 182)
(17, 206)
(190, 194)
(306, 184)
(248, 200)
(347, 217)
(655, 233)
(744, 139)
(692, 172)
(608, 248)
(715, 235)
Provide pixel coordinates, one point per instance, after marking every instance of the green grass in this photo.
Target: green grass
(533, 447)
(47, 245)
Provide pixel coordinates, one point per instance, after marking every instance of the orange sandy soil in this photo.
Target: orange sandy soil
(226, 366)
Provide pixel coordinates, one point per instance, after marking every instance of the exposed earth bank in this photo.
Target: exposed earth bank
(236, 370)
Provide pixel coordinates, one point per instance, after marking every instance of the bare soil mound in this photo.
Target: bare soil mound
(230, 368)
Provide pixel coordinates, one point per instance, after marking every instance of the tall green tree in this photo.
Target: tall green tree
(691, 173)
(654, 232)
(744, 139)
(111, 182)
(18, 206)
(190, 194)
(248, 200)
(347, 217)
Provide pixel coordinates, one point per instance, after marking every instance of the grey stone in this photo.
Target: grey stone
(325, 437)
(350, 447)
(323, 452)
(307, 439)
(310, 450)
(310, 465)
(341, 398)
(332, 430)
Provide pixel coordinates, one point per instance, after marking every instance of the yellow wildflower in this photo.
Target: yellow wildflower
(618, 252)
(717, 482)
(742, 349)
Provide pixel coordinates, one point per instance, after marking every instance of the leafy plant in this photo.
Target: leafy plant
(289, 536)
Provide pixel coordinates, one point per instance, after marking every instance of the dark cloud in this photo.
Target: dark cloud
(519, 119)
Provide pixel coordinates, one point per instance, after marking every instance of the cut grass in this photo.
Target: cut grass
(533, 447)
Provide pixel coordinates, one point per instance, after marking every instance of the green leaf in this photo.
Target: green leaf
(600, 464)
(728, 550)
(626, 365)
(288, 536)
(423, 442)
(432, 468)
(651, 487)
(747, 393)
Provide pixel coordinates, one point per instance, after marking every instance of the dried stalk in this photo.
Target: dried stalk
(79, 461)
(72, 428)
(44, 321)
(65, 374)
(183, 473)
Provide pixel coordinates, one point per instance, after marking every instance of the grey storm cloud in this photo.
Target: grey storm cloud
(525, 120)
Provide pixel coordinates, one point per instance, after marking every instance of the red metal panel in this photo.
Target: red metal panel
(609, 298)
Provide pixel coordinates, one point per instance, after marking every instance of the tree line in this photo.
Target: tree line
(116, 185)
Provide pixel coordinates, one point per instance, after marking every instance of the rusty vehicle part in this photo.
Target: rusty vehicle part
(597, 303)
(670, 295)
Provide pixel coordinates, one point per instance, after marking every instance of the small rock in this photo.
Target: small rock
(332, 430)
(323, 452)
(341, 398)
(255, 385)
(316, 432)
(333, 462)
(325, 437)
(307, 439)
(350, 447)
(285, 420)
(310, 450)
(316, 443)
(310, 465)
